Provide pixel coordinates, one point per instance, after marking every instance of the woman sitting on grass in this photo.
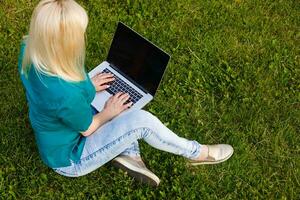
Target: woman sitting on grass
(73, 139)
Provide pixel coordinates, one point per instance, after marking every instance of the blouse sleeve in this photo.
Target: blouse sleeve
(21, 55)
(76, 113)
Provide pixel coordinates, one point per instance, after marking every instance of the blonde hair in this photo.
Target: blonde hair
(56, 42)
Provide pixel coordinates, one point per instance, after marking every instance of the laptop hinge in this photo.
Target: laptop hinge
(127, 77)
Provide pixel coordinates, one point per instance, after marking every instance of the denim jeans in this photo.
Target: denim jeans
(120, 137)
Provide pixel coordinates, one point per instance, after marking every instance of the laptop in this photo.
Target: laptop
(137, 65)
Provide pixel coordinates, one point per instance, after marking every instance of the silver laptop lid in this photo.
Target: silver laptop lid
(138, 58)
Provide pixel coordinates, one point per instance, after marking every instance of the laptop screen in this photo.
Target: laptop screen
(138, 58)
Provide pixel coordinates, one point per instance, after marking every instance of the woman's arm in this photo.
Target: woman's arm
(113, 107)
(98, 120)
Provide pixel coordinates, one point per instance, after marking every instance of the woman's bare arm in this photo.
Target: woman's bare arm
(98, 120)
(113, 107)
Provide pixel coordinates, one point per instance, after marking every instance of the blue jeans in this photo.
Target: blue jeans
(120, 137)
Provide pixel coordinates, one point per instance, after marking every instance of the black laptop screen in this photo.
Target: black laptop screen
(138, 58)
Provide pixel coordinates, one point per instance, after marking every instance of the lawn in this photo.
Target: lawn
(233, 77)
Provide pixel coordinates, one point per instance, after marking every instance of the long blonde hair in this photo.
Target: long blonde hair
(56, 42)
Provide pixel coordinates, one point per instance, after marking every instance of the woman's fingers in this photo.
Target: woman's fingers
(121, 97)
(102, 78)
(124, 97)
(127, 105)
(104, 75)
(105, 79)
(101, 81)
(117, 96)
(102, 87)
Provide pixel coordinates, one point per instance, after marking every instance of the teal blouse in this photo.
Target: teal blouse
(58, 111)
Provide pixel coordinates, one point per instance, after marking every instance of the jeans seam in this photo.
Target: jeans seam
(132, 150)
(174, 145)
(62, 172)
(104, 147)
(59, 171)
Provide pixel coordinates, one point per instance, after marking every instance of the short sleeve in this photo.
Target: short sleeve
(76, 113)
(21, 55)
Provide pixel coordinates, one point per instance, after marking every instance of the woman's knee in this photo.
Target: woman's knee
(143, 116)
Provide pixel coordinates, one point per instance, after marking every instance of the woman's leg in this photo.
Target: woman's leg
(117, 136)
(133, 150)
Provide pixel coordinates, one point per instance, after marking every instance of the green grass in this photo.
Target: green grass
(234, 77)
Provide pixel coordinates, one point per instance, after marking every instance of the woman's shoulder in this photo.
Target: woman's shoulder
(47, 90)
(58, 87)
(50, 90)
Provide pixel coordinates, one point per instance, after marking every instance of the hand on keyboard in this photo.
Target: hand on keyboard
(117, 104)
(118, 85)
(101, 81)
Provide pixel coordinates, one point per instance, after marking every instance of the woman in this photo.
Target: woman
(73, 139)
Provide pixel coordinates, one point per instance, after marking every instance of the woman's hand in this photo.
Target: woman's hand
(113, 106)
(116, 104)
(101, 80)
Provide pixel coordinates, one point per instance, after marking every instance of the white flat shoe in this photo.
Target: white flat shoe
(216, 154)
(136, 169)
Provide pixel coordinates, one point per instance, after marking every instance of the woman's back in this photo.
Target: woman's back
(57, 109)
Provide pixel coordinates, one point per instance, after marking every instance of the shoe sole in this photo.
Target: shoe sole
(137, 173)
(211, 162)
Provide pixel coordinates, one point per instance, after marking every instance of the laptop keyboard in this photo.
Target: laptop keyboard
(118, 85)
